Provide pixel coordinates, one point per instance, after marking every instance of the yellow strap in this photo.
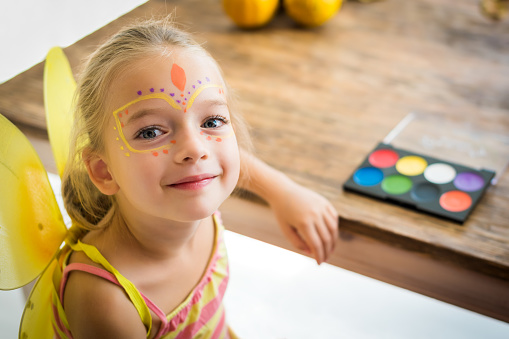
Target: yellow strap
(61, 315)
(135, 296)
(61, 334)
(60, 309)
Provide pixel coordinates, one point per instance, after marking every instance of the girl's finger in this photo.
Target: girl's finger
(294, 237)
(332, 222)
(325, 237)
(312, 239)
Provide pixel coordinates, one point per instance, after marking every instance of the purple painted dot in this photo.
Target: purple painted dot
(199, 82)
(172, 94)
(178, 101)
(162, 89)
(185, 99)
(152, 90)
(194, 86)
(139, 92)
(468, 181)
(207, 78)
(188, 92)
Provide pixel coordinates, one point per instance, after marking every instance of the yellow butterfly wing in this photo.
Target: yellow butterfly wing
(59, 87)
(31, 225)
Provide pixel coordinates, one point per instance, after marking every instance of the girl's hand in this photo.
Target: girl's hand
(307, 219)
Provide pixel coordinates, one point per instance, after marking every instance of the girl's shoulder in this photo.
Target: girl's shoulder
(97, 308)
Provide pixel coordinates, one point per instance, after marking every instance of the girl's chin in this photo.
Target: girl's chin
(195, 214)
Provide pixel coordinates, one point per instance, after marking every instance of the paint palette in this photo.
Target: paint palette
(421, 182)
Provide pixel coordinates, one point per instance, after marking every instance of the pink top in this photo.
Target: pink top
(201, 313)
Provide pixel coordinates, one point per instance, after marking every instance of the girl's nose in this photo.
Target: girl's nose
(190, 147)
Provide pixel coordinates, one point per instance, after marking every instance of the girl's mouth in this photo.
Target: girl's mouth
(193, 183)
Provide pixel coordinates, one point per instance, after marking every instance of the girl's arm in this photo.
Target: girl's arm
(306, 218)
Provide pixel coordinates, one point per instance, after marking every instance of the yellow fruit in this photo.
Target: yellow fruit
(311, 13)
(495, 9)
(250, 13)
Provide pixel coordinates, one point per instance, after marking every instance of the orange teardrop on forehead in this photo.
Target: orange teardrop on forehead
(178, 77)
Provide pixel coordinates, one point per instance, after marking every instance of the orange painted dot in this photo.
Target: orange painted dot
(122, 124)
(165, 151)
(209, 138)
(183, 103)
(182, 95)
(185, 110)
(120, 115)
(126, 112)
(201, 132)
(173, 141)
(219, 139)
(155, 154)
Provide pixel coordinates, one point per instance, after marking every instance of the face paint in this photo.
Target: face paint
(178, 101)
(178, 77)
(122, 118)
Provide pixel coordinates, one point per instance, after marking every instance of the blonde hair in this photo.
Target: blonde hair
(86, 205)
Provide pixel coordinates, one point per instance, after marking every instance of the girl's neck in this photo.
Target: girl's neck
(148, 238)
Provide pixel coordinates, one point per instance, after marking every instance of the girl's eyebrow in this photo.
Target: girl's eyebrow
(214, 102)
(137, 115)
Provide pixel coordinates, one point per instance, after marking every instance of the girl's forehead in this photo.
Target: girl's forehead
(176, 74)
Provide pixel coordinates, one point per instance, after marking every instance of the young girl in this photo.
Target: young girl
(155, 153)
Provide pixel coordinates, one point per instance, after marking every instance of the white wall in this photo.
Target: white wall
(28, 28)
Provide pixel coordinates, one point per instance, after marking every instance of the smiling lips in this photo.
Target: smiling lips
(193, 183)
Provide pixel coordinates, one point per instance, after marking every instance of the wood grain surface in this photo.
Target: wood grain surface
(318, 100)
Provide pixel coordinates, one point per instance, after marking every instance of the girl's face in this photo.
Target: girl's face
(170, 146)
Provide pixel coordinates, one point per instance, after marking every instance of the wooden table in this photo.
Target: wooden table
(318, 100)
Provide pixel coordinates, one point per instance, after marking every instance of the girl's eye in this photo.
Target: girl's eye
(149, 133)
(215, 122)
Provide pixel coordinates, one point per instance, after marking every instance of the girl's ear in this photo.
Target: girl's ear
(99, 173)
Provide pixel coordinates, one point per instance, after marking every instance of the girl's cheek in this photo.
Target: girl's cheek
(226, 139)
(217, 138)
